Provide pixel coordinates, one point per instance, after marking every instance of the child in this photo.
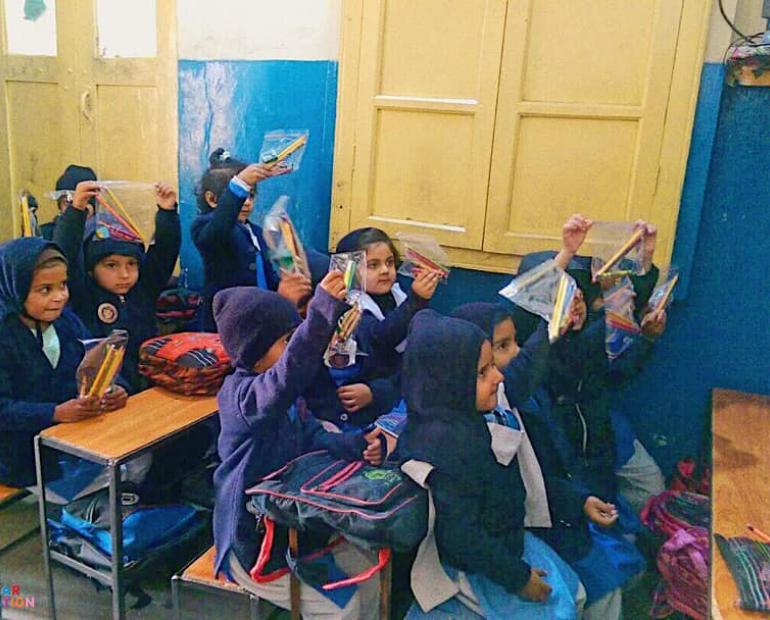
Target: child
(68, 181)
(450, 381)
(560, 509)
(41, 340)
(119, 282)
(231, 246)
(264, 425)
(358, 394)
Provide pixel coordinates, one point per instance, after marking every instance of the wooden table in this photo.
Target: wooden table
(149, 419)
(741, 484)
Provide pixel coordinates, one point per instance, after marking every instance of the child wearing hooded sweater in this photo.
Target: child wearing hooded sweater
(119, 281)
(264, 424)
(231, 245)
(41, 340)
(450, 382)
(370, 386)
(559, 509)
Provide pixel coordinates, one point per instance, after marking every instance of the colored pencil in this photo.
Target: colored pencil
(758, 533)
(624, 249)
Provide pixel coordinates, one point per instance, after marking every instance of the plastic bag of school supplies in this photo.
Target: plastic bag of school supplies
(132, 203)
(536, 290)
(286, 249)
(616, 249)
(422, 253)
(353, 268)
(27, 217)
(284, 149)
(343, 349)
(663, 295)
(101, 364)
(620, 324)
(565, 295)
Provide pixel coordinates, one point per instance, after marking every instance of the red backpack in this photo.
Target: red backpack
(188, 362)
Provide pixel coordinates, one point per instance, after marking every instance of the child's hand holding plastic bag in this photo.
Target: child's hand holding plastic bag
(285, 247)
(422, 253)
(97, 373)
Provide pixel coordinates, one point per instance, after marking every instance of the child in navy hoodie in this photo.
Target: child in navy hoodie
(119, 281)
(358, 394)
(231, 246)
(265, 423)
(41, 340)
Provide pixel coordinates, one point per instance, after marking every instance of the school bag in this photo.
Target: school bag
(375, 508)
(177, 305)
(83, 529)
(187, 363)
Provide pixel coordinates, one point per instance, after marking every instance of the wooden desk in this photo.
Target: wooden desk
(149, 419)
(741, 484)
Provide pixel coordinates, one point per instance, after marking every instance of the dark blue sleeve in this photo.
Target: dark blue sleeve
(19, 415)
(215, 232)
(162, 253)
(270, 274)
(461, 536)
(643, 287)
(387, 334)
(629, 364)
(529, 368)
(386, 392)
(271, 393)
(68, 235)
(349, 445)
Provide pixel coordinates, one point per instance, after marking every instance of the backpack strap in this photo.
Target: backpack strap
(383, 557)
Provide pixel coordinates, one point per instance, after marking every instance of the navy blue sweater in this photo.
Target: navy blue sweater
(479, 503)
(262, 429)
(30, 389)
(228, 253)
(135, 310)
(379, 368)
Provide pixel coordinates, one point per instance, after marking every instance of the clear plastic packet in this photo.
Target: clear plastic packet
(565, 295)
(132, 202)
(616, 249)
(353, 267)
(536, 290)
(101, 364)
(621, 328)
(284, 149)
(343, 349)
(286, 249)
(421, 253)
(663, 295)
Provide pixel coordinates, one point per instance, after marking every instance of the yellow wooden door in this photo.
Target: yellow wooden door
(424, 116)
(38, 106)
(91, 82)
(129, 91)
(581, 115)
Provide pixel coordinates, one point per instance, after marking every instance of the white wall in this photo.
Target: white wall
(259, 29)
(745, 14)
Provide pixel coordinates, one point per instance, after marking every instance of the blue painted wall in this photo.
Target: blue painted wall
(232, 104)
(716, 337)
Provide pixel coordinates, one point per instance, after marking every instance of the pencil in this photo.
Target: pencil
(117, 215)
(100, 375)
(625, 249)
(294, 146)
(26, 226)
(120, 206)
(758, 533)
(669, 289)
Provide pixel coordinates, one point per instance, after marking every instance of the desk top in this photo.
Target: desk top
(149, 417)
(741, 482)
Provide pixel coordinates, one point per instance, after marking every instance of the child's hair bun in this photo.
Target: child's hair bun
(219, 157)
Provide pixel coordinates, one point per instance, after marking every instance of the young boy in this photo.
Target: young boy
(41, 340)
(265, 424)
(119, 281)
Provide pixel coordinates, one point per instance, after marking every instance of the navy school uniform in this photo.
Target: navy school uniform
(233, 254)
(264, 423)
(379, 338)
(103, 311)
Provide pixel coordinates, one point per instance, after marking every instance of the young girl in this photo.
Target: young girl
(450, 382)
(231, 246)
(371, 387)
(265, 424)
(559, 508)
(41, 340)
(118, 282)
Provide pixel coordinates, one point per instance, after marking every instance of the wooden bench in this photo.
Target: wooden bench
(199, 575)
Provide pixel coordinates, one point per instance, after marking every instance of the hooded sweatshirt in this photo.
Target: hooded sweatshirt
(479, 503)
(30, 387)
(263, 420)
